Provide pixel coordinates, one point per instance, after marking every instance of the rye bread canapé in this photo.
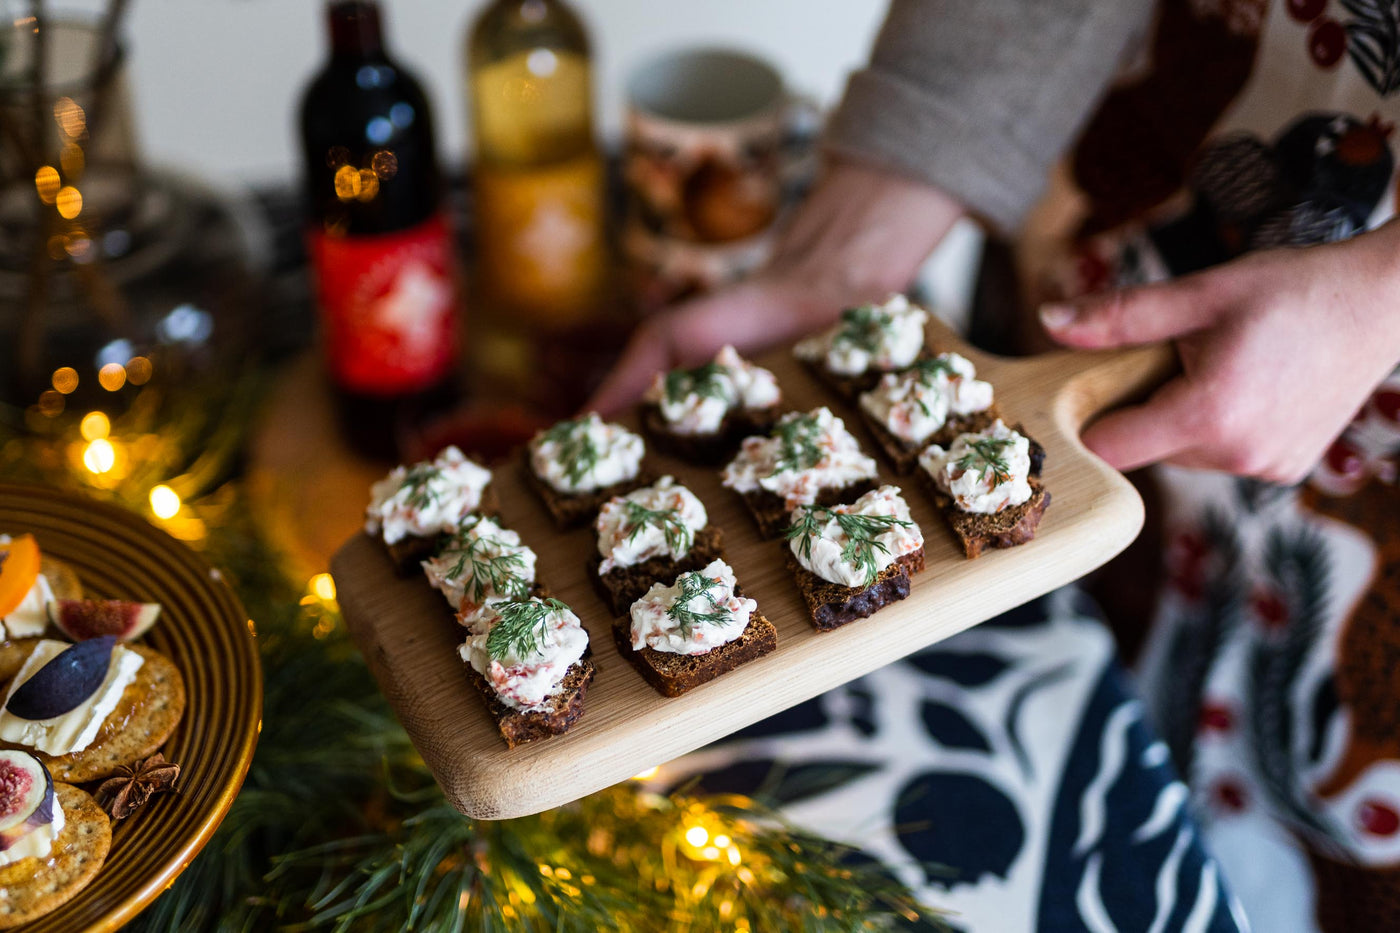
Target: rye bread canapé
(931, 402)
(648, 535)
(850, 561)
(577, 465)
(692, 630)
(702, 414)
(866, 343)
(412, 508)
(987, 484)
(808, 458)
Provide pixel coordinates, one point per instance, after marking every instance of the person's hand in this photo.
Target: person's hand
(1278, 351)
(861, 235)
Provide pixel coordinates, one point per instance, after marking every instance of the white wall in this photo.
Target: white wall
(216, 82)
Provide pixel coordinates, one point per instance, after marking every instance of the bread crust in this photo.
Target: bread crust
(565, 707)
(832, 605)
(771, 514)
(904, 457)
(673, 674)
(622, 586)
(572, 511)
(710, 449)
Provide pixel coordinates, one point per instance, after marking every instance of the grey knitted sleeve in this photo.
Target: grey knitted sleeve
(981, 97)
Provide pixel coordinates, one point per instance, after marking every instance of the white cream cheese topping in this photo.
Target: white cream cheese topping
(876, 336)
(805, 453)
(482, 563)
(75, 729)
(526, 680)
(38, 842)
(698, 613)
(850, 544)
(658, 519)
(695, 401)
(31, 616)
(983, 472)
(914, 404)
(586, 454)
(426, 499)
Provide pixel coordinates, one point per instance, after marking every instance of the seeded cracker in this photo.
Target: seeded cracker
(145, 716)
(32, 888)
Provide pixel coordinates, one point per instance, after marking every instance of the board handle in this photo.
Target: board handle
(1096, 381)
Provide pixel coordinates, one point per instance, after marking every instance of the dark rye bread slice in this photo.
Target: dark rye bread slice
(708, 449)
(622, 586)
(565, 707)
(832, 605)
(770, 511)
(674, 674)
(571, 511)
(1007, 528)
(407, 552)
(905, 456)
(850, 387)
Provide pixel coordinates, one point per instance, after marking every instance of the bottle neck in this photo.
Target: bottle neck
(355, 29)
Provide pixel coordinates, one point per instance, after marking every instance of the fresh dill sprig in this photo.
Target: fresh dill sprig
(676, 532)
(930, 367)
(521, 628)
(861, 531)
(704, 381)
(865, 327)
(503, 572)
(418, 482)
(577, 450)
(988, 454)
(798, 448)
(695, 585)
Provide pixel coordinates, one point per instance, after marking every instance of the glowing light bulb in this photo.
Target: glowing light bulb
(95, 424)
(165, 502)
(323, 585)
(697, 836)
(100, 456)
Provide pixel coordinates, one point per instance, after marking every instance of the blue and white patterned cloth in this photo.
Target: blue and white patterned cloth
(1006, 775)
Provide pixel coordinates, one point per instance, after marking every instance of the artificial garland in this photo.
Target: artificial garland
(339, 825)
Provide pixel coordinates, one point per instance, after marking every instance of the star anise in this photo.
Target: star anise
(129, 789)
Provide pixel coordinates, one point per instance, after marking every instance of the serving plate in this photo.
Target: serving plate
(408, 635)
(205, 631)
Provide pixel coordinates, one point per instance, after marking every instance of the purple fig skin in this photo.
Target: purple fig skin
(62, 685)
(21, 774)
(82, 619)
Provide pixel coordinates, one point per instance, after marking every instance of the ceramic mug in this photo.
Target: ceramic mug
(709, 154)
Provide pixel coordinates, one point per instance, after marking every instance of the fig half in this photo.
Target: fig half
(81, 619)
(62, 685)
(26, 796)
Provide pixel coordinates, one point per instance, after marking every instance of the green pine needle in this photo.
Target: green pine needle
(522, 627)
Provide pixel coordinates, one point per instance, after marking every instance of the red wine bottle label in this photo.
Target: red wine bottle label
(388, 307)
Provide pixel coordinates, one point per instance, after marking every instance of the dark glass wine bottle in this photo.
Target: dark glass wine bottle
(378, 237)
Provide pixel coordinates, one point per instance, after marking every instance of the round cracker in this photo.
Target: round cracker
(63, 580)
(32, 887)
(144, 718)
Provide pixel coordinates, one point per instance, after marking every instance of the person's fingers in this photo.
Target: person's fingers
(752, 315)
(647, 353)
(1137, 315)
(1166, 426)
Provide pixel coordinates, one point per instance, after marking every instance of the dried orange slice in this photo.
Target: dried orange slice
(18, 572)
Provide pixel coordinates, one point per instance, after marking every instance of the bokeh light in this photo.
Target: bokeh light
(99, 457)
(69, 202)
(347, 183)
(138, 371)
(95, 424)
(65, 379)
(112, 376)
(47, 183)
(165, 502)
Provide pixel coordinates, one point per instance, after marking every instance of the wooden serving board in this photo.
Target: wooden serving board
(409, 637)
